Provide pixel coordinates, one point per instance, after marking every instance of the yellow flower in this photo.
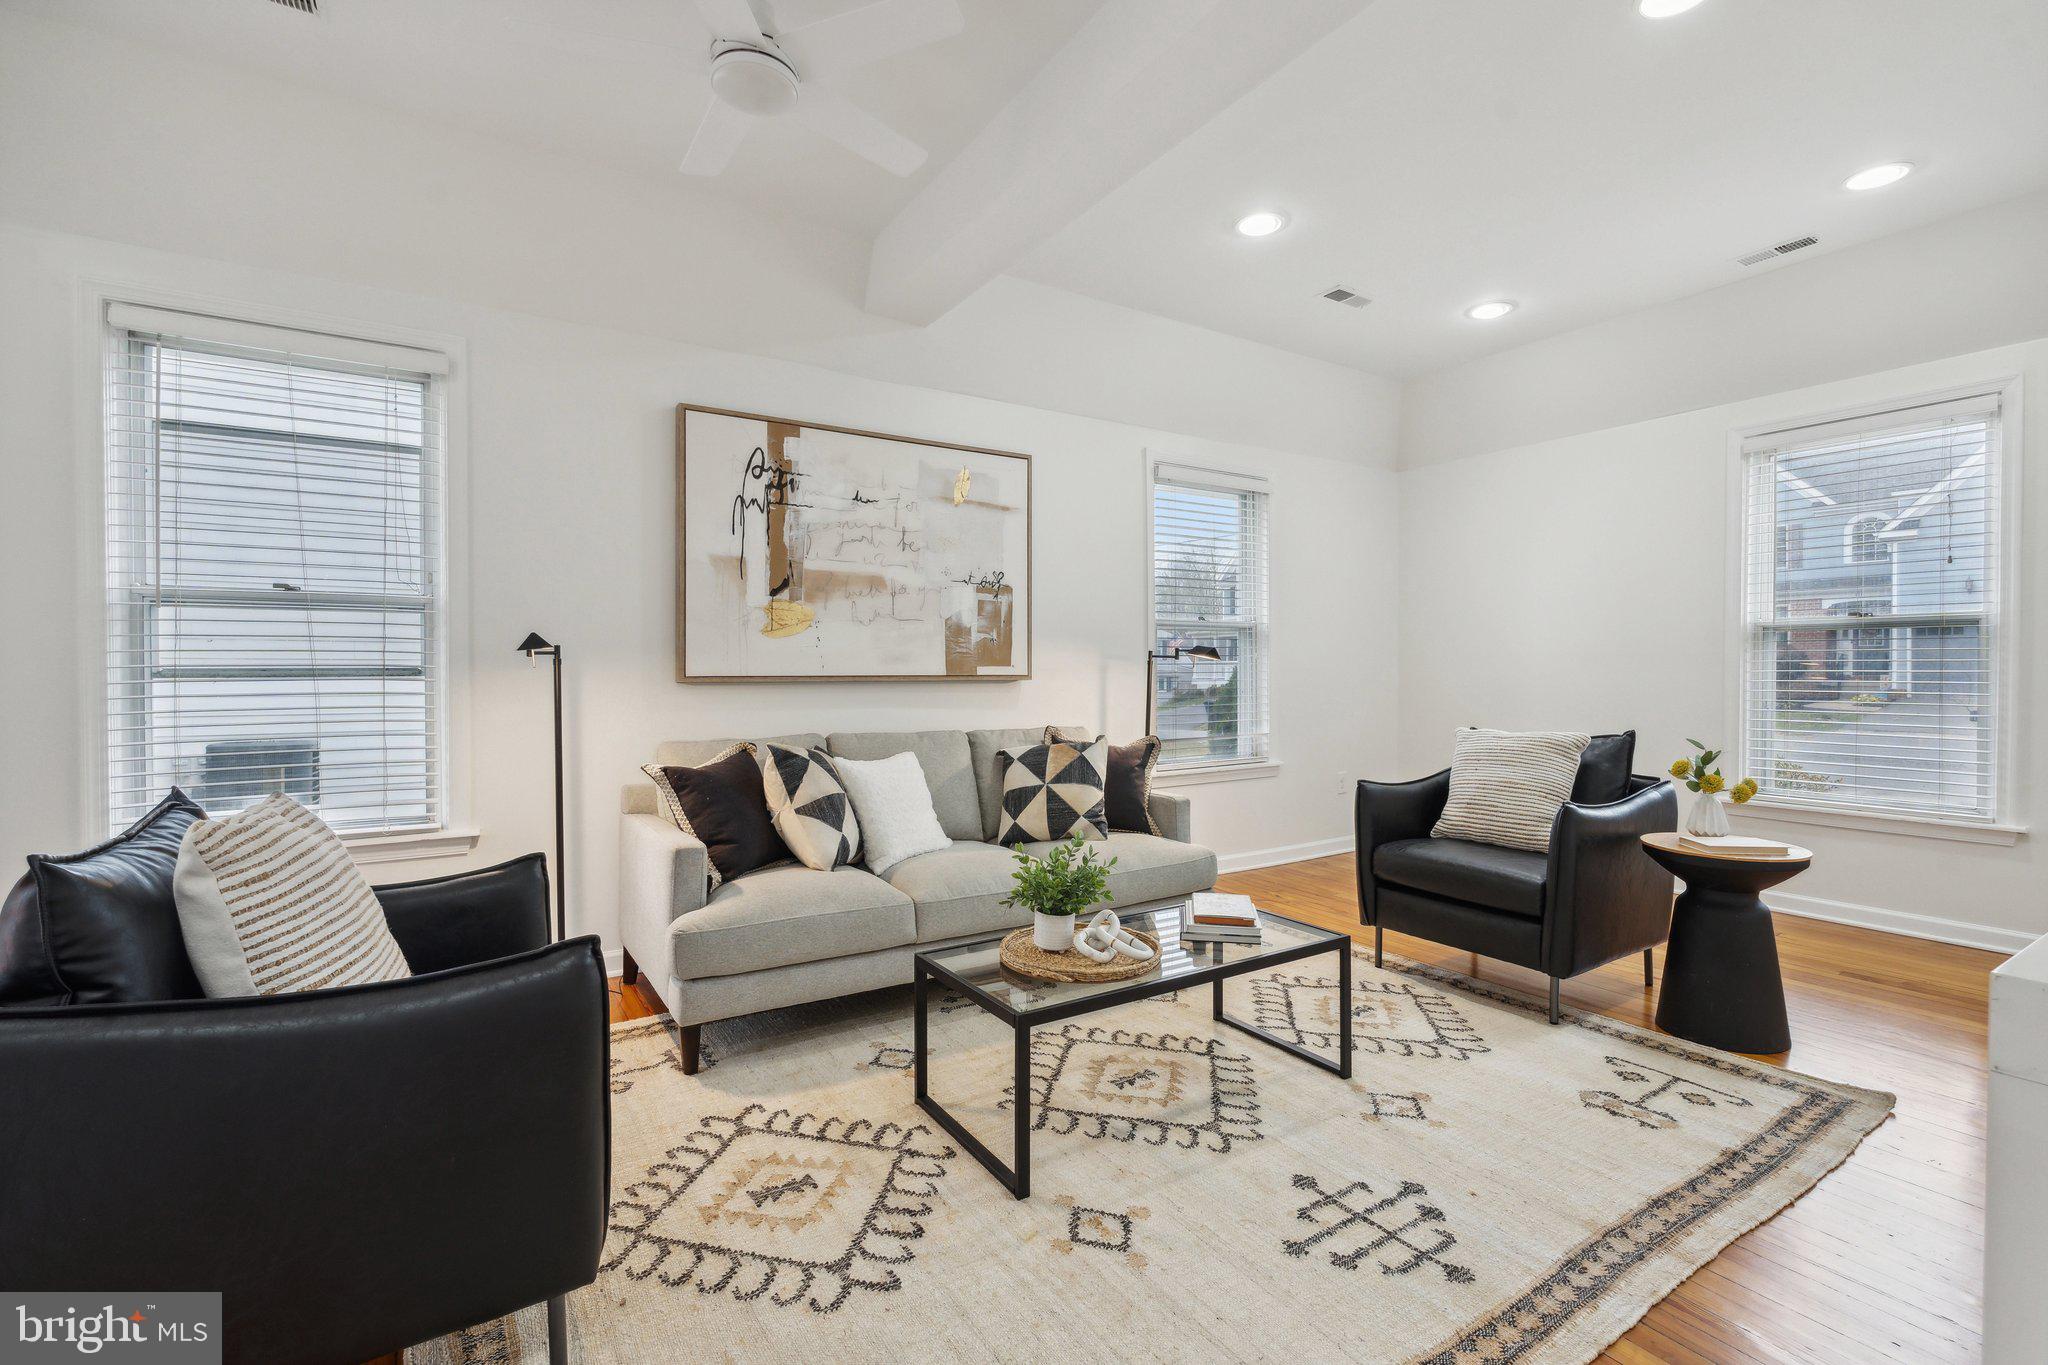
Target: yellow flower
(1744, 789)
(1682, 768)
(1712, 782)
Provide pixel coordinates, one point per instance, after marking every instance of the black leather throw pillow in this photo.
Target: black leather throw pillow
(723, 804)
(100, 927)
(1127, 787)
(1604, 769)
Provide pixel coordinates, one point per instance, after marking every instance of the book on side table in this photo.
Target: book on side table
(1734, 845)
(1213, 917)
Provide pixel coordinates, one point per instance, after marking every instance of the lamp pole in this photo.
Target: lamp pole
(532, 647)
(1152, 660)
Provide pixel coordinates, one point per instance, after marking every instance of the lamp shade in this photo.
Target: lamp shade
(533, 644)
(1200, 652)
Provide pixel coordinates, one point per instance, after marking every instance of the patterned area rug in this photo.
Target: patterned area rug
(1485, 1188)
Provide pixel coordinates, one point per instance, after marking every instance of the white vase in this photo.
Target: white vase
(1707, 818)
(1054, 933)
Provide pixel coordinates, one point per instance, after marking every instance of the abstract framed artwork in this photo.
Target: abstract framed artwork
(819, 553)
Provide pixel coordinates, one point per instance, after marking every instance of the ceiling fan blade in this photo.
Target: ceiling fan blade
(718, 136)
(854, 128)
(730, 19)
(824, 36)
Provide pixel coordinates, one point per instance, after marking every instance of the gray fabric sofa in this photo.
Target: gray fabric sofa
(785, 935)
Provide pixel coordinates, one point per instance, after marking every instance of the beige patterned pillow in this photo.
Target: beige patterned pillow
(1506, 788)
(269, 901)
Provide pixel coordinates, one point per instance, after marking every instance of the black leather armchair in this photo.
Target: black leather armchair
(1594, 897)
(356, 1170)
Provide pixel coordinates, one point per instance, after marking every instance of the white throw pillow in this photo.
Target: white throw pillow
(269, 901)
(1506, 788)
(894, 805)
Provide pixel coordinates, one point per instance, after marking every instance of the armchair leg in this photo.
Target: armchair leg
(1379, 943)
(690, 1039)
(629, 970)
(1649, 972)
(558, 1331)
(1553, 1000)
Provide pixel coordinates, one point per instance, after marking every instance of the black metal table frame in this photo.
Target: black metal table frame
(1017, 1180)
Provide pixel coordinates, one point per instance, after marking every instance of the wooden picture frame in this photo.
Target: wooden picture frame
(794, 580)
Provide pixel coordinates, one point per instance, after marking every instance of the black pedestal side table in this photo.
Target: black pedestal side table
(1722, 986)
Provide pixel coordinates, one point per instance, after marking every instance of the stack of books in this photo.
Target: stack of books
(1734, 845)
(1212, 917)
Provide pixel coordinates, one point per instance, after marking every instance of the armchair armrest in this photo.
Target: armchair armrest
(1390, 811)
(663, 874)
(1174, 814)
(354, 1169)
(445, 922)
(1605, 895)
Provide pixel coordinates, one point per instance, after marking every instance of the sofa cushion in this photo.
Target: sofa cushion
(983, 748)
(101, 927)
(1127, 785)
(1506, 879)
(948, 770)
(724, 805)
(1604, 769)
(960, 890)
(1054, 790)
(780, 916)
(695, 753)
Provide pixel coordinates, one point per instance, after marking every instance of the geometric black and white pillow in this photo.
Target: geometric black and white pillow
(809, 806)
(1052, 791)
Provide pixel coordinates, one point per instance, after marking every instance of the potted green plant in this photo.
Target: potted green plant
(1057, 888)
(1706, 819)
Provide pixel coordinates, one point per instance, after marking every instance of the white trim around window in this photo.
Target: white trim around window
(1839, 463)
(108, 310)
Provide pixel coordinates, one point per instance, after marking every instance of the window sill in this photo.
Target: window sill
(1915, 826)
(1195, 775)
(398, 848)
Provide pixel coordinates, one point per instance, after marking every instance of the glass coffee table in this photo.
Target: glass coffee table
(976, 971)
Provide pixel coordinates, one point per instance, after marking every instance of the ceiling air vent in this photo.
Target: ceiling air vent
(302, 6)
(1771, 253)
(1347, 298)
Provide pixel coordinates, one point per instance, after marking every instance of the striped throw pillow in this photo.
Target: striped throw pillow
(1506, 788)
(269, 901)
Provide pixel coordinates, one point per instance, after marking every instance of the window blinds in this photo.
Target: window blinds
(1209, 571)
(273, 569)
(1871, 612)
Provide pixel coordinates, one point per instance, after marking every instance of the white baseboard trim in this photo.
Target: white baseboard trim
(1285, 853)
(1904, 922)
(614, 961)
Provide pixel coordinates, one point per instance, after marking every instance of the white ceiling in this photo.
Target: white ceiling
(1568, 154)
(1432, 153)
(617, 81)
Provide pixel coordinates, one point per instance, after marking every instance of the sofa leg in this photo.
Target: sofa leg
(558, 1331)
(690, 1038)
(629, 970)
(1649, 972)
(1379, 943)
(1554, 1016)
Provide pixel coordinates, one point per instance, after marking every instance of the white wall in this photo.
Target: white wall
(570, 532)
(1583, 582)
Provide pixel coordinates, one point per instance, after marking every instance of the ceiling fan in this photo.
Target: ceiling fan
(766, 69)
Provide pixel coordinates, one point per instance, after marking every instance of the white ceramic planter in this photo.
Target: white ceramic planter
(1054, 933)
(1707, 819)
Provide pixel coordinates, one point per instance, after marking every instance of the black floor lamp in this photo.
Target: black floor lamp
(1152, 661)
(532, 647)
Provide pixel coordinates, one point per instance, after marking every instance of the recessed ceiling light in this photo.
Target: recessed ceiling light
(1877, 177)
(1663, 9)
(1264, 223)
(1491, 309)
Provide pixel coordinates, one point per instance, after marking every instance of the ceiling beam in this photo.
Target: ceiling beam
(1136, 79)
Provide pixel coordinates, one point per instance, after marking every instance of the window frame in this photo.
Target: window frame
(100, 349)
(1259, 629)
(2005, 824)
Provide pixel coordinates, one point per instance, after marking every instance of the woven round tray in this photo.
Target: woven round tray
(1026, 958)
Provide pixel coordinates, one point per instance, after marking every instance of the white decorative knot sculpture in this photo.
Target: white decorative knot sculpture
(1105, 939)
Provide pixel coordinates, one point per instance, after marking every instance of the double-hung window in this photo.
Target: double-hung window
(274, 575)
(1209, 571)
(1870, 672)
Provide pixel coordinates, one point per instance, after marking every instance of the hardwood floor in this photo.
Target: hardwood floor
(1883, 1260)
